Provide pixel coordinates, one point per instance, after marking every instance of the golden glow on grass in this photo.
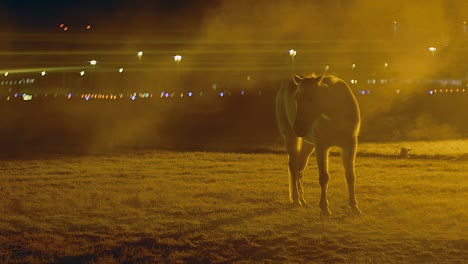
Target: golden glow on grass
(229, 206)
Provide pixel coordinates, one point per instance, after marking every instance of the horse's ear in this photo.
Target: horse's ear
(297, 79)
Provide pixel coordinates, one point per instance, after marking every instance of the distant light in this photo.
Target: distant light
(221, 94)
(177, 58)
(353, 66)
(385, 65)
(93, 62)
(432, 50)
(139, 55)
(27, 97)
(6, 74)
(292, 52)
(82, 73)
(398, 91)
(242, 92)
(43, 73)
(88, 27)
(121, 70)
(65, 28)
(62, 25)
(327, 67)
(190, 94)
(430, 92)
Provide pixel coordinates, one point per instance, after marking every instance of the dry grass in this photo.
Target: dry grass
(201, 207)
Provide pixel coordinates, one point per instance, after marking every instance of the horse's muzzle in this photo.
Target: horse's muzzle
(300, 131)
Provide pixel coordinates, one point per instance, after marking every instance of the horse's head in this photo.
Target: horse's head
(308, 93)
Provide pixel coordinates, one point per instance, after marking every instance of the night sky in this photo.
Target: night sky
(31, 15)
(247, 34)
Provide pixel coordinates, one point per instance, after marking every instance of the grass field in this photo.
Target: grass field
(203, 207)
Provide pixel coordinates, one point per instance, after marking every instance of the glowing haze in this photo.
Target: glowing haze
(257, 35)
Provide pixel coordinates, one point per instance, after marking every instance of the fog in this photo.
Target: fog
(244, 45)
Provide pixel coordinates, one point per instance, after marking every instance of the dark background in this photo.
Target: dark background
(227, 47)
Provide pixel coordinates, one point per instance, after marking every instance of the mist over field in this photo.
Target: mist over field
(230, 47)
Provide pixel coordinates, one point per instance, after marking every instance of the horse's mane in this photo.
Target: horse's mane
(331, 77)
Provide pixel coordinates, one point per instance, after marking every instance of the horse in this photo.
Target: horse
(316, 113)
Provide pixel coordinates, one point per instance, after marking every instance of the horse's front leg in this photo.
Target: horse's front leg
(293, 191)
(348, 158)
(297, 165)
(324, 176)
(292, 146)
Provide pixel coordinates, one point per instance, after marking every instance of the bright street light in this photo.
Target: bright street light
(43, 73)
(6, 74)
(121, 70)
(292, 53)
(93, 62)
(82, 73)
(177, 59)
(139, 55)
(432, 50)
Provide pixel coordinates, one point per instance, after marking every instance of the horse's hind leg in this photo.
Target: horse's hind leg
(348, 158)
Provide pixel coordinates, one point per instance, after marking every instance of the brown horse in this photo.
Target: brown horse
(318, 112)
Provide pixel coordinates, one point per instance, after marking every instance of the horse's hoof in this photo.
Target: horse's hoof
(296, 204)
(325, 214)
(303, 203)
(355, 211)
